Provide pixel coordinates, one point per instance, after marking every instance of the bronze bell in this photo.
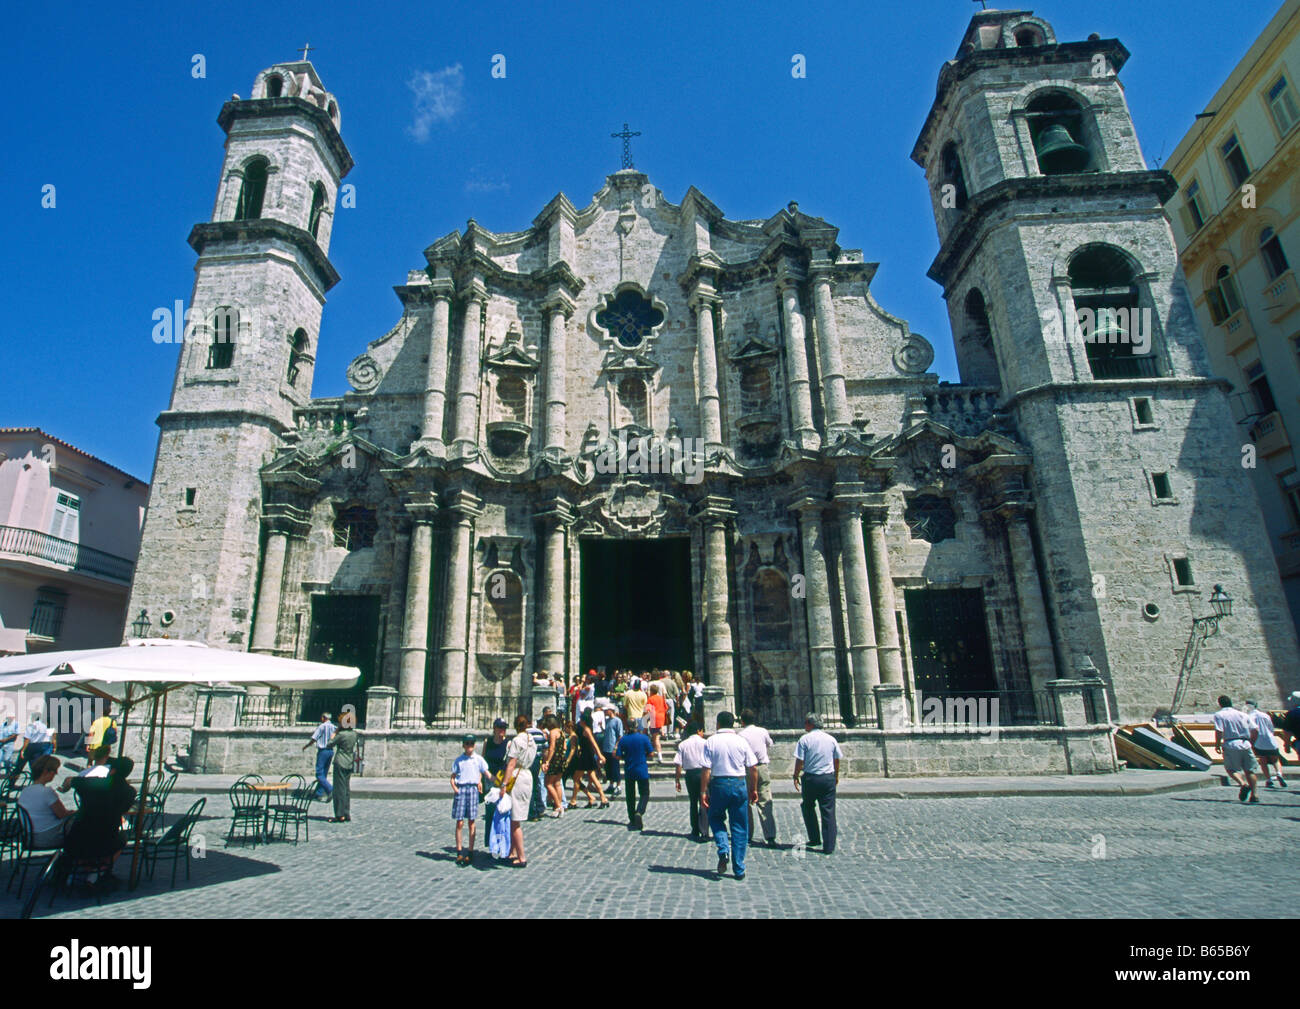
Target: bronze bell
(1058, 154)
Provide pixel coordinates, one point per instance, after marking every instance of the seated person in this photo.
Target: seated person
(48, 814)
(97, 832)
(98, 767)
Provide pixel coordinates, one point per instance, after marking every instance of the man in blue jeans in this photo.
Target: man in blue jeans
(323, 737)
(729, 783)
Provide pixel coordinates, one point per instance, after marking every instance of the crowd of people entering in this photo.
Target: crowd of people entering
(603, 741)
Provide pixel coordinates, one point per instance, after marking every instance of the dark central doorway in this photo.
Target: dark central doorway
(344, 632)
(950, 642)
(636, 605)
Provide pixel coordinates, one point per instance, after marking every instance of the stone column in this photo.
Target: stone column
(796, 362)
(454, 651)
(1039, 654)
(435, 384)
(702, 303)
(554, 602)
(888, 650)
(415, 622)
(834, 398)
(554, 422)
(721, 656)
(857, 594)
(468, 381)
(268, 593)
(817, 610)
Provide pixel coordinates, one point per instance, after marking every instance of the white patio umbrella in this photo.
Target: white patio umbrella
(146, 669)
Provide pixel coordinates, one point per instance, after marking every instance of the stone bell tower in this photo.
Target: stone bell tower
(247, 356)
(1064, 290)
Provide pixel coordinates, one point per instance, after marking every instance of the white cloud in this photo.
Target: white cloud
(439, 96)
(480, 182)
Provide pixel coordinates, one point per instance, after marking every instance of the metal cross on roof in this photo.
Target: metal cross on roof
(305, 50)
(983, 4)
(627, 136)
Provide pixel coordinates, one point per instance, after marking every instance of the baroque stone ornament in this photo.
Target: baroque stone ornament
(364, 373)
(915, 356)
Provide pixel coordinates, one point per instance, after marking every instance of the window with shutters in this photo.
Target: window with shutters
(1270, 249)
(1282, 103)
(65, 523)
(1223, 299)
(47, 614)
(1195, 205)
(1234, 159)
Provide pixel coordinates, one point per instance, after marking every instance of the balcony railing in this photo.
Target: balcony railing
(83, 560)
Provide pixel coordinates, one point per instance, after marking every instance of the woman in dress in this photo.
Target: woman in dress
(572, 758)
(553, 764)
(588, 761)
(520, 753)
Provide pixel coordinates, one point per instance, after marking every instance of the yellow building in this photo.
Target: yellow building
(1236, 222)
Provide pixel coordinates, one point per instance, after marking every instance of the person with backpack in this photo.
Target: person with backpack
(103, 730)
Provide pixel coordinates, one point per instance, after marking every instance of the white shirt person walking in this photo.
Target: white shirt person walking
(817, 759)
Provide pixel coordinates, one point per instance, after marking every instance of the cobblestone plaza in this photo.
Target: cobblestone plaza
(1012, 856)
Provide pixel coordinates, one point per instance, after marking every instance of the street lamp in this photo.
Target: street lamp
(141, 624)
(1203, 628)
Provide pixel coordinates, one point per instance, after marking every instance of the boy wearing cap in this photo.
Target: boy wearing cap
(467, 773)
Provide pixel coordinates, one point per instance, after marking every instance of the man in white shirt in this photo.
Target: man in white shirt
(38, 740)
(1233, 735)
(729, 782)
(690, 759)
(817, 759)
(761, 743)
(323, 737)
(1266, 748)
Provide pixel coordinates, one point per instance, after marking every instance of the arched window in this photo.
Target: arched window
(953, 174)
(512, 396)
(977, 318)
(253, 190)
(503, 625)
(632, 397)
(755, 389)
(1028, 35)
(1270, 249)
(225, 330)
(1223, 298)
(317, 208)
(354, 528)
(297, 347)
(771, 599)
(1110, 321)
(1056, 125)
(274, 86)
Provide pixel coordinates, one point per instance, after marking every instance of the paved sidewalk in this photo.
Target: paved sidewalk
(1130, 782)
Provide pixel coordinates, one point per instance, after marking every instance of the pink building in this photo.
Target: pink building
(69, 535)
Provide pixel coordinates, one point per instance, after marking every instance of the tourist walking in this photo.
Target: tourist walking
(817, 758)
(467, 773)
(553, 764)
(10, 733)
(322, 738)
(609, 737)
(587, 763)
(634, 702)
(1290, 727)
(690, 761)
(537, 801)
(520, 754)
(729, 783)
(1234, 737)
(760, 741)
(103, 730)
(37, 740)
(1267, 751)
(345, 758)
(634, 751)
(656, 717)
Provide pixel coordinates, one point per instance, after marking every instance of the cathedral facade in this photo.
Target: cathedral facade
(640, 434)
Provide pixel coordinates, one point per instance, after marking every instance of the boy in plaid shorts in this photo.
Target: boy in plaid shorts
(467, 772)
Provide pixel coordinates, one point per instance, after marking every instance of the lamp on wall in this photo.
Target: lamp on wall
(1203, 628)
(141, 624)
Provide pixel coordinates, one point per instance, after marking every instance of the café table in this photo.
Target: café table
(269, 788)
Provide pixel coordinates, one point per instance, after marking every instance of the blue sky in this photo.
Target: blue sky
(102, 104)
